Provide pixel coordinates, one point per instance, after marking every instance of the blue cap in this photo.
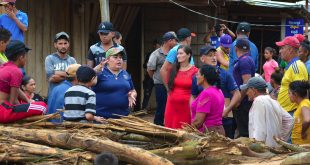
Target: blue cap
(226, 41)
(169, 36)
(206, 49)
(243, 44)
(105, 27)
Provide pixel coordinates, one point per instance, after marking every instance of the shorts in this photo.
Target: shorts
(10, 113)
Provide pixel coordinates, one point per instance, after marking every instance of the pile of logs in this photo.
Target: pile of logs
(133, 141)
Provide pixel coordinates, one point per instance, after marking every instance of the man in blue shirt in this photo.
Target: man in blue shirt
(243, 31)
(14, 20)
(56, 98)
(228, 87)
(185, 38)
(243, 70)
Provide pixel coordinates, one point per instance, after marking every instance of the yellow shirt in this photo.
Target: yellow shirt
(298, 120)
(226, 57)
(296, 71)
(3, 58)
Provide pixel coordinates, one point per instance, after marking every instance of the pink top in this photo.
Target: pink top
(210, 101)
(10, 76)
(269, 67)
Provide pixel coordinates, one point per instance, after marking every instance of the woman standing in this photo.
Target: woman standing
(270, 65)
(298, 94)
(180, 82)
(208, 107)
(115, 92)
(29, 86)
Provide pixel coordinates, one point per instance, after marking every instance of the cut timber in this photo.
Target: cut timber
(301, 158)
(71, 141)
(291, 147)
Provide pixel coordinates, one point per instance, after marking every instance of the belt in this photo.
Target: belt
(74, 119)
(6, 106)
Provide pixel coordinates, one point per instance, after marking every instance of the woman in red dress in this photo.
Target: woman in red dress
(177, 108)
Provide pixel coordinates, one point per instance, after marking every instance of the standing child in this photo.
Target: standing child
(80, 100)
(270, 65)
(298, 94)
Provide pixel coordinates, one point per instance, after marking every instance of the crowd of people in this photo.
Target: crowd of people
(225, 94)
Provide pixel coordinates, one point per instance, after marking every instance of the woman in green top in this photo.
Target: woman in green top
(5, 36)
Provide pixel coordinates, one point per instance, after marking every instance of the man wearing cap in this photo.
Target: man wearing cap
(154, 64)
(185, 38)
(222, 53)
(5, 36)
(228, 87)
(244, 69)
(10, 80)
(295, 70)
(266, 117)
(56, 98)
(14, 20)
(243, 31)
(96, 53)
(57, 63)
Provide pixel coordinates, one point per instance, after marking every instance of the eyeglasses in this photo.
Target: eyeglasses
(103, 34)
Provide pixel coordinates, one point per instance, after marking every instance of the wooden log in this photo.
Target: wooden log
(71, 141)
(301, 158)
(291, 147)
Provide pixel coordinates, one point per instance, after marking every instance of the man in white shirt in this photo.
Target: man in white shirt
(266, 117)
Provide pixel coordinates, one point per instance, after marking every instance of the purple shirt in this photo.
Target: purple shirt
(211, 102)
(244, 65)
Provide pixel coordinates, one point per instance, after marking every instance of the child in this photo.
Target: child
(80, 100)
(270, 65)
(275, 81)
(298, 94)
(11, 109)
(5, 36)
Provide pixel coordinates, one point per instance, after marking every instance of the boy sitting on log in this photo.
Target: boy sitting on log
(80, 100)
(10, 80)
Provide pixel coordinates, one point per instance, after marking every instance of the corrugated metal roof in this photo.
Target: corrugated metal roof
(271, 4)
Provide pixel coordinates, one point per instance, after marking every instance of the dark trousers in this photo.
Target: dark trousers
(147, 91)
(230, 126)
(161, 99)
(241, 115)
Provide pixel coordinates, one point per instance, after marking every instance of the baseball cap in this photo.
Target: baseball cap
(169, 35)
(290, 40)
(15, 47)
(184, 33)
(243, 27)
(71, 70)
(243, 44)
(105, 27)
(300, 37)
(61, 34)
(254, 82)
(226, 40)
(114, 51)
(206, 49)
(4, 2)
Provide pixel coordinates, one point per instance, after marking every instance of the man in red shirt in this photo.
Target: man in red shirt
(10, 80)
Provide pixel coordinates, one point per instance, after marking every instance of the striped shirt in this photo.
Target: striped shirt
(79, 100)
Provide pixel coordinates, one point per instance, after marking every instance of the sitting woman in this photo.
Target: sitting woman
(207, 108)
(298, 94)
(115, 92)
(28, 87)
(10, 80)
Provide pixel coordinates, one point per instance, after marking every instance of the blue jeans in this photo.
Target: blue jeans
(161, 99)
(147, 91)
(292, 114)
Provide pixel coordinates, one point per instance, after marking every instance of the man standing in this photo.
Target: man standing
(220, 30)
(154, 64)
(243, 70)
(57, 63)
(14, 20)
(185, 38)
(5, 36)
(96, 53)
(243, 31)
(295, 70)
(56, 98)
(228, 86)
(222, 53)
(266, 117)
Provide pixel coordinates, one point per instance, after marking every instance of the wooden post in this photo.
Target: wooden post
(105, 10)
(307, 17)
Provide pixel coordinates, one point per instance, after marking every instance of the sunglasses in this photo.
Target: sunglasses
(103, 34)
